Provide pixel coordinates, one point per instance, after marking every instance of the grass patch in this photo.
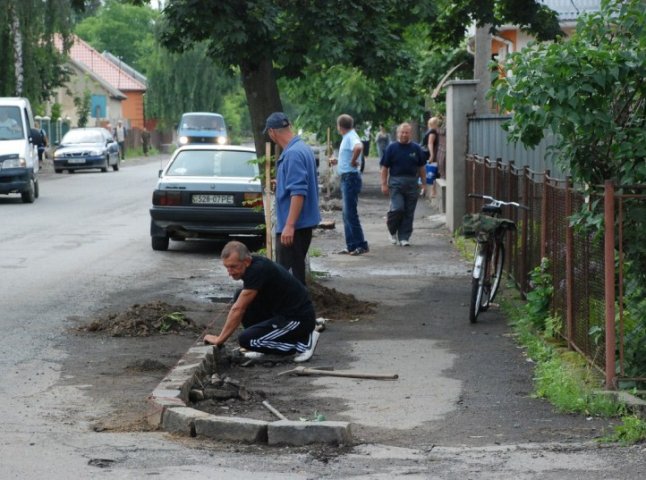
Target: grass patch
(632, 430)
(561, 376)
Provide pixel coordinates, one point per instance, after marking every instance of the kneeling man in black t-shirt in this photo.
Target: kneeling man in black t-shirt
(273, 307)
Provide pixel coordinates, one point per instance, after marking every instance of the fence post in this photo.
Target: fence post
(569, 263)
(609, 280)
(544, 215)
(524, 261)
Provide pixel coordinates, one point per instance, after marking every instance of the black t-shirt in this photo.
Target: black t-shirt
(278, 290)
(436, 140)
(403, 159)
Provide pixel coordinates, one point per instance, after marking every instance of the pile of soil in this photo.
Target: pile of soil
(156, 318)
(330, 303)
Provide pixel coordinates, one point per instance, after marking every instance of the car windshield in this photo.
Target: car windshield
(214, 163)
(82, 136)
(202, 122)
(10, 124)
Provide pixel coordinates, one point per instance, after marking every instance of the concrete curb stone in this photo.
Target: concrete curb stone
(288, 432)
(181, 420)
(167, 409)
(237, 429)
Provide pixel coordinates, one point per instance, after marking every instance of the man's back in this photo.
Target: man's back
(278, 290)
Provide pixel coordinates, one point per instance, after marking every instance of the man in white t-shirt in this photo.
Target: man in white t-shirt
(348, 166)
(120, 134)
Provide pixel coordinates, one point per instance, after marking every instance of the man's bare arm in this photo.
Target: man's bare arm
(234, 318)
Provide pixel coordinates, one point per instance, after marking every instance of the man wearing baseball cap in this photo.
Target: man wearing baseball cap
(297, 198)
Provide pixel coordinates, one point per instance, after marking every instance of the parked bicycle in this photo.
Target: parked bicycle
(488, 229)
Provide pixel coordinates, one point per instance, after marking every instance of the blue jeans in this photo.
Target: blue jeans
(404, 193)
(350, 189)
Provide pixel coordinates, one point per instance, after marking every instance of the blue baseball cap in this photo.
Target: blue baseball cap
(276, 120)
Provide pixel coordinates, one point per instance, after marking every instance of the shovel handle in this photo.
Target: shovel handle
(347, 374)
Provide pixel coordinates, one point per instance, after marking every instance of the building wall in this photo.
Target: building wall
(133, 109)
(76, 87)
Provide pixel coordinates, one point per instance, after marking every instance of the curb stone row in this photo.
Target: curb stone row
(167, 410)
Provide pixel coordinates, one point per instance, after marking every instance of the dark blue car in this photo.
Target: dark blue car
(85, 148)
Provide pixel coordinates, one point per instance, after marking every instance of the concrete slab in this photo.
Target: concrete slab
(181, 420)
(236, 429)
(288, 432)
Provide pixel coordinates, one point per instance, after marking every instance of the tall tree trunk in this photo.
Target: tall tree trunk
(481, 69)
(16, 34)
(260, 86)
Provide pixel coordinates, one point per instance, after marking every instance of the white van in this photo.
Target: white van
(18, 149)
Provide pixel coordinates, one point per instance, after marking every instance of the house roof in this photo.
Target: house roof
(570, 10)
(114, 92)
(119, 78)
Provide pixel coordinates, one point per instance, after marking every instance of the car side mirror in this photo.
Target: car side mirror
(159, 173)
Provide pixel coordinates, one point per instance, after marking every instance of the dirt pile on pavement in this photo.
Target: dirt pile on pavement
(155, 318)
(330, 303)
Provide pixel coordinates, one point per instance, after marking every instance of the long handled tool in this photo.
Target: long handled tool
(305, 371)
(267, 199)
(273, 410)
(328, 152)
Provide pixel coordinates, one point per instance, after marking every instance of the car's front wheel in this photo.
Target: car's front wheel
(115, 167)
(160, 243)
(105, 167)
(29, 194)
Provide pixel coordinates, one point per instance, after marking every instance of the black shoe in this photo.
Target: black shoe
(358, 251)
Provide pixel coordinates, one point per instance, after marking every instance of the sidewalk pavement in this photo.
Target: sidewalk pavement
(459, 384)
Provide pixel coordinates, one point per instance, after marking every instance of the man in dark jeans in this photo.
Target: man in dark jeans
(273, 307)
(297, 195)
(403, 174)
(348, 165)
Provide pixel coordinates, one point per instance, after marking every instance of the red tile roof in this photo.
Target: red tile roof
(84, 54)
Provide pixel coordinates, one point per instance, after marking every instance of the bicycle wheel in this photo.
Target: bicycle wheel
(477, 283)
(488, 274)
(497, 263)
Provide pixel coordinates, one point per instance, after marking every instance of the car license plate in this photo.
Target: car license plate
(213, 199)
(75, 160)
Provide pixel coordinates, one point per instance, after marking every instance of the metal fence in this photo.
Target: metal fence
(587, 287)
(487, 138)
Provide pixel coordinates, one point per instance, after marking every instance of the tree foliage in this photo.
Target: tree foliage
(590, 91)
(291, 39)
(186, 82)
(39, 61)
(126, 31)
(455, 16)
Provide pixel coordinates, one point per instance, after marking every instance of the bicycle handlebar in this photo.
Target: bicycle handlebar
(495, 202)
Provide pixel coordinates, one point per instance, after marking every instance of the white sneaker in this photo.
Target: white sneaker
(393, 239)
(320, 324)
(307, 354)
(405, 243)
(253, 355)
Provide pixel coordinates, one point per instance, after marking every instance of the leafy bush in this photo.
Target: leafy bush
(589, 91)
(539, 298)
